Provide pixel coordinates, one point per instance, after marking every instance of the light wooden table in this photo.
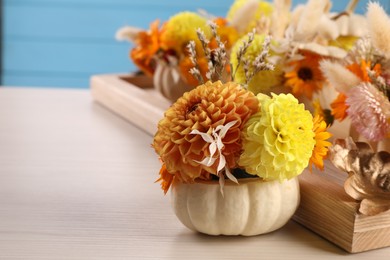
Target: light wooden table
(77, 182)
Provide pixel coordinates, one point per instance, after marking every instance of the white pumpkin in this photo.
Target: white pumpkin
(250, 208)
(168, 81)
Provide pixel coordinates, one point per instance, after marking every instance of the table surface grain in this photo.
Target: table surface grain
(77, 182)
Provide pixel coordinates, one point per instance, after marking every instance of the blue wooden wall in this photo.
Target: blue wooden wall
(61, 43)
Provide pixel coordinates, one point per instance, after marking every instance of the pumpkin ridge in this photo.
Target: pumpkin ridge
(177, 202)
(277, 206)
(249, 221)
(198, 203)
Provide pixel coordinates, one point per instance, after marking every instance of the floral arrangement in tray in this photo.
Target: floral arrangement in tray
(253, 96)
(229, 154)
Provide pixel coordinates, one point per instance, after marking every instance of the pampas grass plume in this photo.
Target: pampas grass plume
(338, 76)
(379, 27)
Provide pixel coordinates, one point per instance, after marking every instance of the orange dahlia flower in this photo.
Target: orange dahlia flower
(203, 109)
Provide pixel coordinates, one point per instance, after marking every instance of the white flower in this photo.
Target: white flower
(215, 146)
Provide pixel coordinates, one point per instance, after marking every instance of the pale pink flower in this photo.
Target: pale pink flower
(369, 110)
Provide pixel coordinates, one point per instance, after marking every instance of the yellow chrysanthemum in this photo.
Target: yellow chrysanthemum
(263, 80)
(204, 108)
(263, 9)
(321, 146)
(180, 29)
(278, 140)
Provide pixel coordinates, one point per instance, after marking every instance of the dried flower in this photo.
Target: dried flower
(203, 109)
(379, 27)
(127, 33)
(186, 64)
(195, 69)
(369, 174)
(341, 78)
(369, 111)
(278, 140)
(262, 74)
(227, 33)
(215, 150)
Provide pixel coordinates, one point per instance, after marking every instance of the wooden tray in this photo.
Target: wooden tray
(325, 208)
(132, 97)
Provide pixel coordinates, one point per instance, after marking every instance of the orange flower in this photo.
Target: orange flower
(147, 45)
(166, 179)
(361, 70)
(339, 107)
(321, 147)
(203, 109)
(306, 77)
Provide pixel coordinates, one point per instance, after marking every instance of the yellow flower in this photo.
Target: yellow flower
(204, 108)
(278, 140)
(263, 80)
(180, 29)
(321, 147)
(263, 9)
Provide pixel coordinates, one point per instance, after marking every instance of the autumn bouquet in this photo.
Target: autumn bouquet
(222, 147)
